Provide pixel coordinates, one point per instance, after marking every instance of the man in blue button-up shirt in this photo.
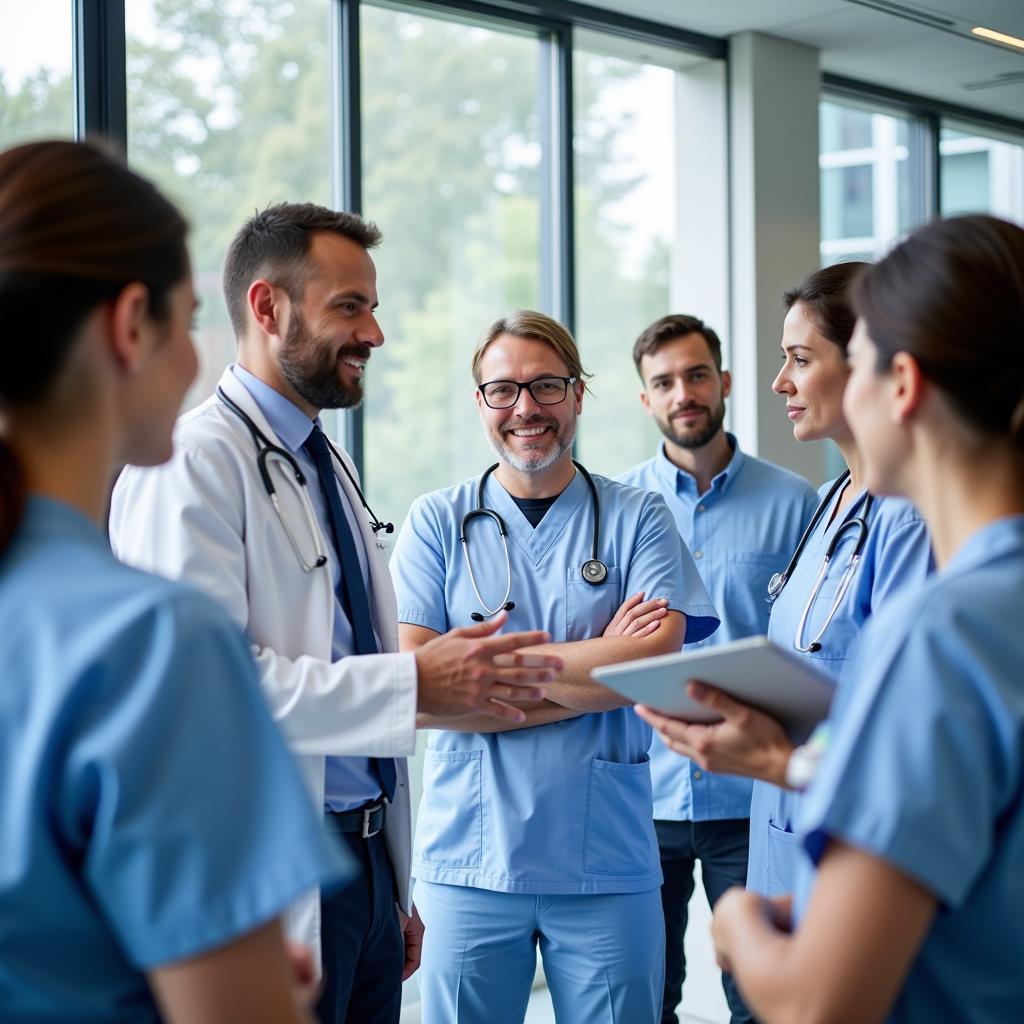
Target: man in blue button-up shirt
(741, 518)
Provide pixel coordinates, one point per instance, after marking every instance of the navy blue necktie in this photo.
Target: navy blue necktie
(351, 588)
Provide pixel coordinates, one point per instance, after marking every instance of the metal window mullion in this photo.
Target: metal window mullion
(348, 158)
(101, 92)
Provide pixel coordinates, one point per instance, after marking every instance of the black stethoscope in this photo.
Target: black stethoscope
(593, 570)
(778, 582)
(266, 450)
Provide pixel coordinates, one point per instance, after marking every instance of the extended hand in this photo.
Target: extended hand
(746, 741)
(637, 617)
(468, 671)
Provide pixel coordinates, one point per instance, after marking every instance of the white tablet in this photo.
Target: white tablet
(754, 670)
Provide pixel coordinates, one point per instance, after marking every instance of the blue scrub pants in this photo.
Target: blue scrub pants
(604, 955)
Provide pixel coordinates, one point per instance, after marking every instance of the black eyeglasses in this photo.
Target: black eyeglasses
(503, 394)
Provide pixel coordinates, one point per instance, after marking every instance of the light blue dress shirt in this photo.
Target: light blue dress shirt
(925, 769)
(149, 810)
(350, 781)
(897, 553)
(561, 808)
(740, 532)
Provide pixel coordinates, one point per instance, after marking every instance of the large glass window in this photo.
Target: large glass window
(625, 168)
(452, 174)
(36, 89)
(229, 111)
(980, 173)
(873, 181)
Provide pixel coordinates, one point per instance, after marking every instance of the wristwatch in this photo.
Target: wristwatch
(804, 761)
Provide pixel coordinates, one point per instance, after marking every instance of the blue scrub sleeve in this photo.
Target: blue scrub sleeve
(419, 571)
(196, 825)
(661, 566)
(915, 766)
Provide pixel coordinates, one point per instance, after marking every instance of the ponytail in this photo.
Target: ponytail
(12, 495)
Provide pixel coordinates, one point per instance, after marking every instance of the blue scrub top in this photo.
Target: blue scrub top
(897, 553)
(149, 809)
(740, 532)
(561, 808)
(925, 769)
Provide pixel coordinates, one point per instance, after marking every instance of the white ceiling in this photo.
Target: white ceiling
(874, 45)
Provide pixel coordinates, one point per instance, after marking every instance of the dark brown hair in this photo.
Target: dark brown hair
(669, 328)
(274, 244)
(76, 227)
(825, 298)
(952, 296)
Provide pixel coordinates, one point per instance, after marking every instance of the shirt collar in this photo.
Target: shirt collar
(677, 478)
(286, 419)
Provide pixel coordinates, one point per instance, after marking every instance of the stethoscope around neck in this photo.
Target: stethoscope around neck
(266, 450)
(778, 582)
(593, 570)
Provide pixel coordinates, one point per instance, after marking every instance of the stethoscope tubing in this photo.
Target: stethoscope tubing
(594, 571)
(267, 450)
(779, 580)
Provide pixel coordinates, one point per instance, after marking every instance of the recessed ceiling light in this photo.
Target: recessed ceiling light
(998, 37)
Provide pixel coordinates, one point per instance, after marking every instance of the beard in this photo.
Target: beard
(698, 435)
(310, 365)
(539, 457)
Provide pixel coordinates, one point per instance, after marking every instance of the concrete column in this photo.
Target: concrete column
(774, 88)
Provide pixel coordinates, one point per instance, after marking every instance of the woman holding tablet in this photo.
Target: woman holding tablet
(154, 825)
(856, 551)
(909, 906)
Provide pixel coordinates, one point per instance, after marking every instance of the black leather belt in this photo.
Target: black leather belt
(366, 821)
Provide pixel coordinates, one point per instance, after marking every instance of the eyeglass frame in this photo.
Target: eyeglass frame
(528, 385)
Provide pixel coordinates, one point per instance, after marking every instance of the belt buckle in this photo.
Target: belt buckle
(366, 832)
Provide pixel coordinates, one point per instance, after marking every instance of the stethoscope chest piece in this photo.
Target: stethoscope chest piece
(594, 571)
(776, 584)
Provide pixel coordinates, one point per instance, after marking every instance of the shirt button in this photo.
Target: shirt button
(697, 774)
(698, 554)
(700, 508)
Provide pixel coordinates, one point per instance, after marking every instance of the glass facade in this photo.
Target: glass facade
(36, 88)
(625, 155)
(980, 173)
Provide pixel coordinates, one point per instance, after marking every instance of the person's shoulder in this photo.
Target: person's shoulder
(891, 514)
(761, 472)
(640, 475)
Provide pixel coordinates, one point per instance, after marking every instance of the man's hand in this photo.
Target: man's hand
(746, 741)
(412, 931)
(637, 617)
(305, 984)
(736, 912)
(468, 671)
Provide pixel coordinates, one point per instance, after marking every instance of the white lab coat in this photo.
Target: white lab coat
(205, 517)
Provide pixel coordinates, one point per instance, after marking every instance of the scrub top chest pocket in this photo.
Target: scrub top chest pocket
(589, 607)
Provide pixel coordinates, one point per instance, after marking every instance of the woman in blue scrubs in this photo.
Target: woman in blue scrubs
(154, 827)
(915, 819)
(894, 551)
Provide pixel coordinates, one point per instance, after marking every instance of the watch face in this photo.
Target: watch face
(594, 571)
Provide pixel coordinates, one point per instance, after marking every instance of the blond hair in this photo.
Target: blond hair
(527, 323)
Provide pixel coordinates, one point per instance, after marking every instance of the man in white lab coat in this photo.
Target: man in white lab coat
(262, 512)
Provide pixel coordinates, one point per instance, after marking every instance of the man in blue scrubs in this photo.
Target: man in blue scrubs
(741, 518)
(542, 833)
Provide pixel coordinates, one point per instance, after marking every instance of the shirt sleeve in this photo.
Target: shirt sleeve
(418, 570)
(660, 564)
(915, 766)
(195, 825)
